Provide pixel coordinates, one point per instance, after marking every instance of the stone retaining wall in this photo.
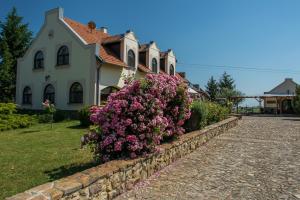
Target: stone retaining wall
(110, 179)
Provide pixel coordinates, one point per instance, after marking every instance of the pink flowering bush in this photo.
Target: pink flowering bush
(138, 117)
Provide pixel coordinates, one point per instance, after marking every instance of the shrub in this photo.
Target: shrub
(60, 115)
(216, 112)
(8, 108)
(84, 116)
(198, 119)
(14, 121)
(138, 117)
(205, 113)
(45, 118)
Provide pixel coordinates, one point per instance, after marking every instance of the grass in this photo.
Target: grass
(35, 155)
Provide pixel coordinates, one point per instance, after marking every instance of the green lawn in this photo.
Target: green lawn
(35, 155)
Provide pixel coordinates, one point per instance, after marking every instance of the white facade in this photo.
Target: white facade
(86, 65)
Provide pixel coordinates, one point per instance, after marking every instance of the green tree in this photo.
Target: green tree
(226, 81)
(297, 100)
(6, 79)
(227, 89)
(212, 88)
(15, 38)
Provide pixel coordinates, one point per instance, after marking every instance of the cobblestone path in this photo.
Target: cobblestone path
(258, 159)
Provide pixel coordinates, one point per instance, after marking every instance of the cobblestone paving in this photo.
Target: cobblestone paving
(258, 159)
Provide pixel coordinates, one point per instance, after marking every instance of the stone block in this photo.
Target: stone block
(53, 194)
(67, 186)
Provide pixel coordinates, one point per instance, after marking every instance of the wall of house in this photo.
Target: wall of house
(112, 75)
(139, 75)
(81, 60)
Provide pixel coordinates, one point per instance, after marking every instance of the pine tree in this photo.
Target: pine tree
(15, 38)
(212, 88)
(297, 100)
(226, 82)
(7, 84)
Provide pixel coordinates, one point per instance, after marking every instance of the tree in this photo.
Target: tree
(297, 100)
(227, 89)
(226, 81)
(212, 88)
(15, 38)
(6, 79)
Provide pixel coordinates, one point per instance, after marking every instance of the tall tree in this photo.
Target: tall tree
(212, 88)
(15, 38)
(297, 100)
(226, 81)
(6, 79)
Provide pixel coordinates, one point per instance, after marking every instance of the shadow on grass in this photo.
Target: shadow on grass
(68, 170)
(77, 127)
(292, 119)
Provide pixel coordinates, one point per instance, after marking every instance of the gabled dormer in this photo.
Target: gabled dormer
(168, 62)
(130, 50)
(149, 56)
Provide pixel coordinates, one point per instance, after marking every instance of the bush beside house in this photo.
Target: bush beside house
(138, 117)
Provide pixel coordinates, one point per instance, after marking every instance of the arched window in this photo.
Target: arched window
(154, 65)
(172, 71)
(131, 59)
(76, 93)
(27, 95)
(49, 93)
(63, 56)
(39, 60)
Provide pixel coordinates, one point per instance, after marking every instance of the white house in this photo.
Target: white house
(280, 98)
(73, 64)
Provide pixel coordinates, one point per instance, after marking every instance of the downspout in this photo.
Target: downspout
(99, 62)
(98, 93)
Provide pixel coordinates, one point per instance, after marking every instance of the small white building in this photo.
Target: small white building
(280, 99)
(73, 64)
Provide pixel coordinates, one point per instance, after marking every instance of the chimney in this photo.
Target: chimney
(103, 29)
(182, 74)
(288, 79)
(92, 26)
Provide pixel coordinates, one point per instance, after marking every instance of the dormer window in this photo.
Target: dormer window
(39, 60)
(131, 59)
(172, 70)
(154, 65)
(63, 56)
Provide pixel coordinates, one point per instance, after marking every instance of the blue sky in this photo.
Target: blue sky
(256, 34)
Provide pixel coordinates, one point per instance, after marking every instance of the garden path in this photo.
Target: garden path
(258, 159)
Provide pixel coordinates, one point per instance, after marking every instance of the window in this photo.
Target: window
(39, 60)
(63, 56)
(172, 71)
(27, 95)
(49, 93)
(131, 59)
(76, 93)
(154, 65)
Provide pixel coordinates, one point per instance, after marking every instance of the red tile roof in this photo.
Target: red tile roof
(99, 37)
(143, 68)
(143, 47)
(181, 78)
